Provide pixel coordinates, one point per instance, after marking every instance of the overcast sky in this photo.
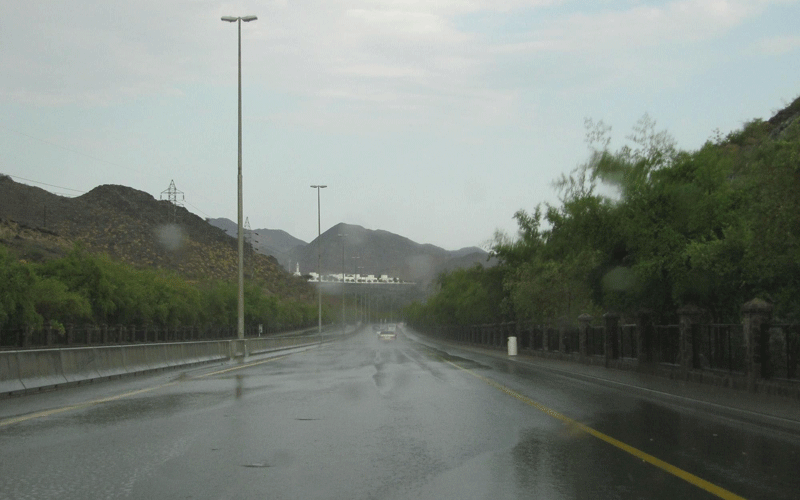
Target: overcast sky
(436, 120)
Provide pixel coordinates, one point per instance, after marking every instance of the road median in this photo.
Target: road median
(25, 371)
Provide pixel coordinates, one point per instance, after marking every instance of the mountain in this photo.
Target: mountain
(455, 254)
(378, 252)
(275, 242)
(478, 256)
(363, 251)
(131, 226)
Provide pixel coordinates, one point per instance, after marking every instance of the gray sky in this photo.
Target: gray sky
(436, 120)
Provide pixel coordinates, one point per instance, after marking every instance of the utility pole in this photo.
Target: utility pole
(240, 239)
(319, 258)
(355, 279)
(343, 236)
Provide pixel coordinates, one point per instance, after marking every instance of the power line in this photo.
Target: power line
(81, 154)
(210, 217)
(69, 149)
(83, 192)
(45, 184)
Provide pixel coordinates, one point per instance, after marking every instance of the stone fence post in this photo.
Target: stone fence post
(688, 319)
(611, 336)
(756, 315)
(27, 336)
(645, 337)
(583, 339)
(562, 333)
(545, 337)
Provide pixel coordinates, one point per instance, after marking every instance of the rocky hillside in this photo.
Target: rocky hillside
(131, 226)
(275, 242)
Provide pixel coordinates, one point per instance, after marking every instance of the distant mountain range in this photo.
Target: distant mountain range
(361, 251)
(132, 226)
(275, 242)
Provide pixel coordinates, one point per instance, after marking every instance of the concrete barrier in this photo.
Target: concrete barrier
(175, 356)
(79, 364)
(9, 373)
(138, 358)
(40, 368)
(261, 345)
(211, 351)
(111, 361)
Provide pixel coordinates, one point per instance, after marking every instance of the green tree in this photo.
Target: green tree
(55, 303)
(17, 307)
(84, 274)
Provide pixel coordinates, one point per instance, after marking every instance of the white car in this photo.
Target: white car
(387, 335)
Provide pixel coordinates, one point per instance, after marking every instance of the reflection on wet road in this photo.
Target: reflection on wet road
(367, 418)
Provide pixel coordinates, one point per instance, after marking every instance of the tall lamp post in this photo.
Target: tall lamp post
(361, 316)
(240, 313)
(319, 259)
(343, 236)
(355, 282)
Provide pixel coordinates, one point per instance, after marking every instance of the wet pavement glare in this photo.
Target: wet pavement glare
(372, 419)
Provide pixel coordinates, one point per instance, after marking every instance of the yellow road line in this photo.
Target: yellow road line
(87, 404)
(675, 471)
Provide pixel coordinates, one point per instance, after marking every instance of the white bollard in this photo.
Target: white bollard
(512, 346)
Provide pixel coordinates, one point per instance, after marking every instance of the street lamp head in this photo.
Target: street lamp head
(232, 19)
(320, 187)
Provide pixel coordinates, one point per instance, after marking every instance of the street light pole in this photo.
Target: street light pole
(240, 236)
(356, 267)
(319, 259)
(343, 236)
(358, 305)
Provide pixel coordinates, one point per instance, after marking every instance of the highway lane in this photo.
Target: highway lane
(365, 418)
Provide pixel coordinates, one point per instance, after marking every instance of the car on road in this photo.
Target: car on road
(387, 335)
(387, 332)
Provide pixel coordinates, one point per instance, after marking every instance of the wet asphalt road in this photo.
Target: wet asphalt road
(362, 418)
